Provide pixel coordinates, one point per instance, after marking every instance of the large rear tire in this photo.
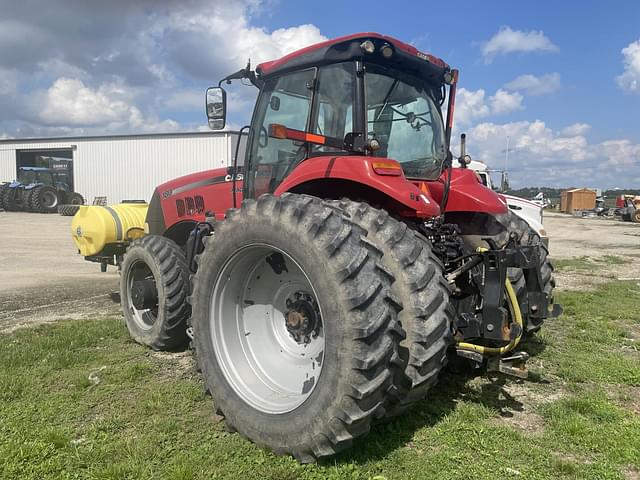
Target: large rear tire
(293, 257)
(2, 190)
(635, 216)
(11, 200)
(427, 316)
(154, 285)
(45, 199)
(28, 200)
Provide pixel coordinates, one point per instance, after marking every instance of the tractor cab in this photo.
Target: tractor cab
(36, 176)
(365, 95)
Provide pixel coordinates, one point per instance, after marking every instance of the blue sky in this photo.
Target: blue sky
(550, 75)
(589, 36)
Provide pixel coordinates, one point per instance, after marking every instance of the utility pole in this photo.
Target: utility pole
(503, 186)
(506, 155)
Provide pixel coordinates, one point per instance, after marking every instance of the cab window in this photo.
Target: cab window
(286, 101)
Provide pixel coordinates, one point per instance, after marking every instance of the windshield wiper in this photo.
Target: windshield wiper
(387, 98)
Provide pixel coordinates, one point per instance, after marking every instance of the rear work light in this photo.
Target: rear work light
(387, 167)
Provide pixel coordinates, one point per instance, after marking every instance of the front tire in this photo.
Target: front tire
(268, 390)
(527, 236)
(154, 285)
(74, 198)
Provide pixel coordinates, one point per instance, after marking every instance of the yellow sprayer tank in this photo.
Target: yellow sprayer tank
(94, 227)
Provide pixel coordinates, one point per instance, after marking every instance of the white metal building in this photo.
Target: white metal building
(123, 167)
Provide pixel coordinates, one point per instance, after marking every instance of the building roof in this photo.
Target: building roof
(8, 141)
(573, 190)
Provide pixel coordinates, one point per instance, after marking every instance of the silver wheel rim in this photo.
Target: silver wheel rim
(260, 357)
(144, 318)
(49, 199)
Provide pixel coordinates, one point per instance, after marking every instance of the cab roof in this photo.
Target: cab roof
(405, 57)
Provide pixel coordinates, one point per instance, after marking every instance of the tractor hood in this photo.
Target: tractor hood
(467, 193)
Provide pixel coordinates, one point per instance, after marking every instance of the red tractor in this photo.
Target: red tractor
(324, 282)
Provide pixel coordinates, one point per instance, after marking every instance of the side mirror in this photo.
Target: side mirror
(216, 102)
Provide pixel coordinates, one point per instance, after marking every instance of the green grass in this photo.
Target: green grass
(578, 263)
(145, 416)
(612, 260)
(588, 263)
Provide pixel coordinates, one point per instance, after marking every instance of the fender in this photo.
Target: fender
(188, 199)
(359, 170)
(467, 193)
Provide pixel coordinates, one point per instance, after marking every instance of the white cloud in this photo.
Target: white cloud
(232, 40)
(532, 85)
(8, 81)
(186, 100)
(630, 78)
(69, 104)
(123, 73)
(508, 40)
(576, 129)
(504, 102)
(621, 154)
(540, 156)
(474, 104)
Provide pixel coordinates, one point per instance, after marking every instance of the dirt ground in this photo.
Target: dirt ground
(44, 279)
(593, 250)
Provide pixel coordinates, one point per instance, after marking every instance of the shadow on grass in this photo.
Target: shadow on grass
(455, 385)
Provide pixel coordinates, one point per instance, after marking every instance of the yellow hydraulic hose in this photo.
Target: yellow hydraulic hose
(513, 300)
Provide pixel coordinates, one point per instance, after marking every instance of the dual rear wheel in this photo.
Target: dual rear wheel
(297, 323)
(311, 320)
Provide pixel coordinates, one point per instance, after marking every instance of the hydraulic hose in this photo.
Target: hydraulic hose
(513, 300)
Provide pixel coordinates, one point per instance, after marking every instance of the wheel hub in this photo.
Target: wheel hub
(267, 329)
(144, 294)
(302, 318)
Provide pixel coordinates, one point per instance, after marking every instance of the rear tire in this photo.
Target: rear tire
(636, 215)
(28, 200)
(356, 316)
(162, 325)
(427, 316)
(11, 201)
(2, 190)
(45, 199)
(68, 210)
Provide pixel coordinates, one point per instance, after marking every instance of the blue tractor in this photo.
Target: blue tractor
(38, 189)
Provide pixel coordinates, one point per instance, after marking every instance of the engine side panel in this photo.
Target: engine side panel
(189, 199)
